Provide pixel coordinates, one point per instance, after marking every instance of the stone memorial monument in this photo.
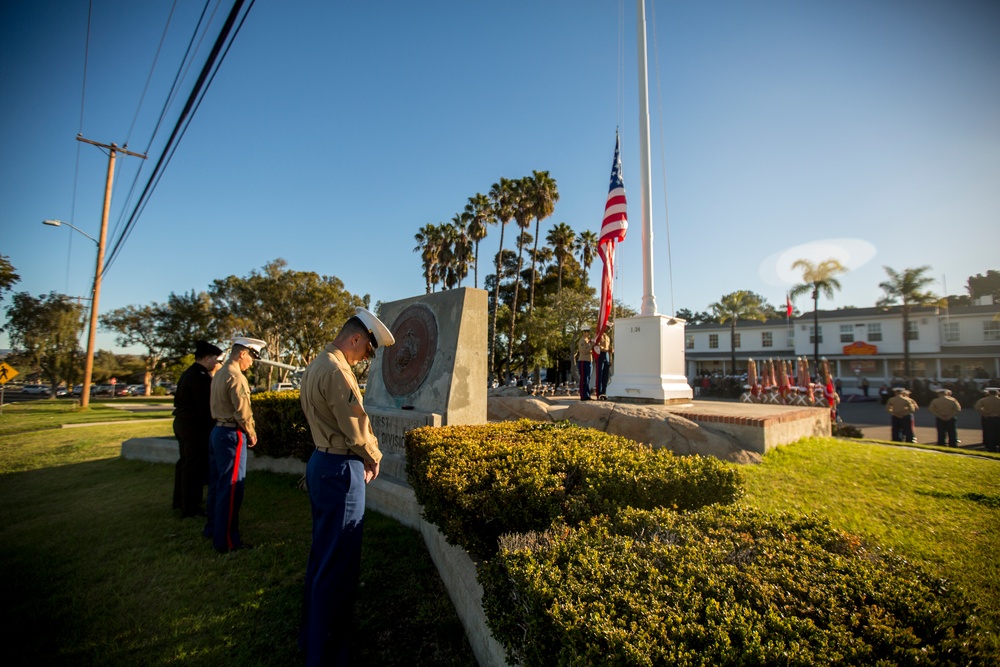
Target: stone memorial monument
(435, 375)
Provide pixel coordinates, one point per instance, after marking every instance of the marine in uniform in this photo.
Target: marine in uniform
(945, 409)
(193, 425)
(988, 408)
(233, 432)
(346, 458)
(584, 355)
(603, 364)
(902, 408)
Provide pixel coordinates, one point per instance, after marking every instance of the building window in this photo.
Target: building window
(713, 341)
(875, 332)
(846, 333)
(991, 331)
(767, 339)
(736, 341)
(815, 334)
(951, 333)
(689, 342)
(911, 331)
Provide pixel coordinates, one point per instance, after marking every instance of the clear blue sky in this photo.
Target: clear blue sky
(866, 130)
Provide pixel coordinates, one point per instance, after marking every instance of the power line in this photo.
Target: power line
(213, 62)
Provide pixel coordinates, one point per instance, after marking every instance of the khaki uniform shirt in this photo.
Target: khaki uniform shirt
(583, 349)
(230, 399)
(900, 406)
(331, 401)
(988, 406)
(604, 343)
(945, 407)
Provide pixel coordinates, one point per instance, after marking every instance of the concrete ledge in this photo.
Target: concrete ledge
(165, 450)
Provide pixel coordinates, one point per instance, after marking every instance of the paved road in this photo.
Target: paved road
(873, 420)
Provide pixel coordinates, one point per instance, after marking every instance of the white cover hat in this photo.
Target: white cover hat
(378, 333)
(255, 345)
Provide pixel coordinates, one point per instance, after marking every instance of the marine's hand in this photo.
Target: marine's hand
(371, 471)
(253, 440)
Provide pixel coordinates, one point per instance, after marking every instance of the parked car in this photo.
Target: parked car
(62, 392)
(101, 390)
(282, 386)
(37, 389)
(122, 390)
(77, 389)
(137, 389)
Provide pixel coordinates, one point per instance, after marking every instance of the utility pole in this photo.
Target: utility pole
(88, 364)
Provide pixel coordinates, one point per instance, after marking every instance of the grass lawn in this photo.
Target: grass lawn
(96, 568)
(938, 510)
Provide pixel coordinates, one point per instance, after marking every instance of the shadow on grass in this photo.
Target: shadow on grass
(96, 569)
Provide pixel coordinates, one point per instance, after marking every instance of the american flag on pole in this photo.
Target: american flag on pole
(613, 230)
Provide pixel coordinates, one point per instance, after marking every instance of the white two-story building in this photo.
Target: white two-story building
(945, 344)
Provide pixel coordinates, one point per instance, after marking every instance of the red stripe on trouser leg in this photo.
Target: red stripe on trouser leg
(232, 488)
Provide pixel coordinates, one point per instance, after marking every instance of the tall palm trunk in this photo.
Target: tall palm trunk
(513, 306)
(496, 303)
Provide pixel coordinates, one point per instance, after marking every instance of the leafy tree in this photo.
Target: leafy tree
(480, 214)
(7, 276)
(980, 285)
(907, 287)
(46, 331)
(816, 279)
(138, 325)
(739, 305)
(694, 318)
(185, 319)
(296, 313)
(543, 194)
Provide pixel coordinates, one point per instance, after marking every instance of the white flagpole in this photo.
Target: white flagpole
(646, 191)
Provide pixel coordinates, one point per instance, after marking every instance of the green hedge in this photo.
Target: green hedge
(479, 482)
(282, 430)
(719, 586)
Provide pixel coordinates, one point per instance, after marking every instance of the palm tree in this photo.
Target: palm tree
(501, 206)
(447, 260)
(817, 278)
(562, 238)
(523, 209)
(429, 246)
(480, 214)
(462, 245)
(739, 305)
(544, 195)
(907, 288)
(586, 245)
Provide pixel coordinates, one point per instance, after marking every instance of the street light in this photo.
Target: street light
(60, 223)
(88, 363)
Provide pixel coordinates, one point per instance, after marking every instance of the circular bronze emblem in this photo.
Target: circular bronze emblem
(405, 365)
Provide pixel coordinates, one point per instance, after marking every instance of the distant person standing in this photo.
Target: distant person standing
(945, 410)
(604, 352)
(989, 409)
(346, 458)
(864, 387)
(584, 354)
(193, 426)
(901, 409)
(234, 431)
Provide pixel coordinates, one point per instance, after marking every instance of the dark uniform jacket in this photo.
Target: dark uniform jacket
(192, 412)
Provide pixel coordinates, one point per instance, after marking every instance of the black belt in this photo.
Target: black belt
(219, 422)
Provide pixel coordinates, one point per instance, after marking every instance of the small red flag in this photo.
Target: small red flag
(788, 306)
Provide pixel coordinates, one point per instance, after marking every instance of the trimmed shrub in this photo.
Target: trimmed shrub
(282, 429)
(479, 482)
(719, 586)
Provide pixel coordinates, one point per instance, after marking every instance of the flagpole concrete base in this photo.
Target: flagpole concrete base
(649, 361)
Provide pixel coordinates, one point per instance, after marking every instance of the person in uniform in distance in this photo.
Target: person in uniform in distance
(346, 458)
(584, 355)
(945, 410)
(901, 408)
(233, 433)
(603, 363)
(988, 408)
(193, 425)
